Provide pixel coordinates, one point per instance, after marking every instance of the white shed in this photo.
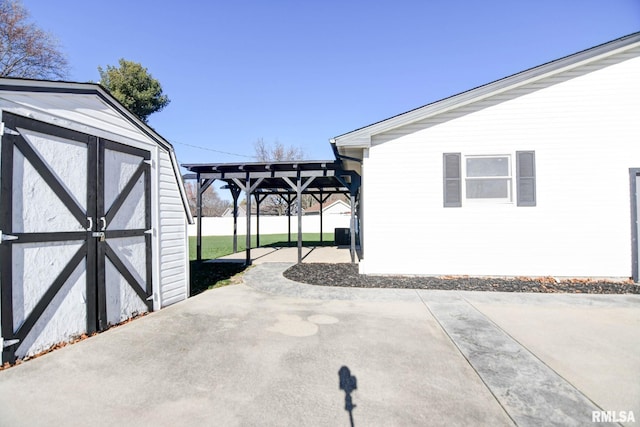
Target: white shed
(93, 215)
(532, 175)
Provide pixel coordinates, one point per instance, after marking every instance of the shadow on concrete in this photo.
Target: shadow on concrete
(293, 243)
(348, 383)
(204, 275)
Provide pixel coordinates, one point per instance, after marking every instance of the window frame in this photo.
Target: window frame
(487, 200)
(522, 186)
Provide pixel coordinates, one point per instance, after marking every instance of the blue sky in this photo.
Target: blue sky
(302, 72)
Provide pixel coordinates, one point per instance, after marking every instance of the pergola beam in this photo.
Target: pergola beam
(267, 174)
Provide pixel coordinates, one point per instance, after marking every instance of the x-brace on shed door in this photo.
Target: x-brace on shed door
(75, 245)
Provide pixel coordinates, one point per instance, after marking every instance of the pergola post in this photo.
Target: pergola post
(235, 193)
(248, 188)
(321, 234)
(257, 196)
(321, 199)
(299, 187)
(259, 199)
(352, 226)
(354, 189)
(203, 185)
(199, 216)
(299, 203)
(288, 199)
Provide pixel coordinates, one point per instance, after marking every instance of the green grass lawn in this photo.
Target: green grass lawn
(217, 246)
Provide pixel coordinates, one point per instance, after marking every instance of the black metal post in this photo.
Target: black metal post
(289, 219)
(199, 216)
(257, 196)
(299, 203)
(247, 190)
(321, 234)
(235, 193)
(352, 226)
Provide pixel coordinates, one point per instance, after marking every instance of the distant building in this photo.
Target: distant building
(338, 207)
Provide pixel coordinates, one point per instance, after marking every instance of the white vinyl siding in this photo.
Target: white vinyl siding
(582, 125)
(174, 257)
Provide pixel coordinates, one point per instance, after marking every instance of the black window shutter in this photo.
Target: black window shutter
(452, 180)
(526, 177)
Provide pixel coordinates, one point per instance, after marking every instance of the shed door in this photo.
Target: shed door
(124, 216)
(73, 253)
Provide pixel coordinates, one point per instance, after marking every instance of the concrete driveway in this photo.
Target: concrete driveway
(268, 353)
(310, 254)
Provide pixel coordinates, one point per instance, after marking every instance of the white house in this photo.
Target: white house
(531, 175)
(337, 207)
(93, 215)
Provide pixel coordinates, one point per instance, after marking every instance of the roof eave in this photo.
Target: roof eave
(361, 138)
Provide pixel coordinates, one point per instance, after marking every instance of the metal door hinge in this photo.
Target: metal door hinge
(149, 162)
(7, 237)
(149, 231)
(8, 131)
(8, 343)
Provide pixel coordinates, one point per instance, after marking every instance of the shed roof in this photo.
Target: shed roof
(84, 107)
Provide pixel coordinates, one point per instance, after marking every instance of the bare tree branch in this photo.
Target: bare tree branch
(278, 152)
(212, 204)
(25, 50)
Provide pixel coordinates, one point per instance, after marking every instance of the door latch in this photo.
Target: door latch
(7, 237)
(100, 235)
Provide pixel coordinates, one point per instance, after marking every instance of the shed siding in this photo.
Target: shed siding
(174, 255)
(583, 126)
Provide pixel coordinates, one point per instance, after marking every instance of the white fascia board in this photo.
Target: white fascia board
(361, 138)
(183, 193)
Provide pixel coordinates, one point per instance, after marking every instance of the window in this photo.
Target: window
(488, 178)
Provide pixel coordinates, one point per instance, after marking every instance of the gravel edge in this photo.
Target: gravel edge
(346, 275)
